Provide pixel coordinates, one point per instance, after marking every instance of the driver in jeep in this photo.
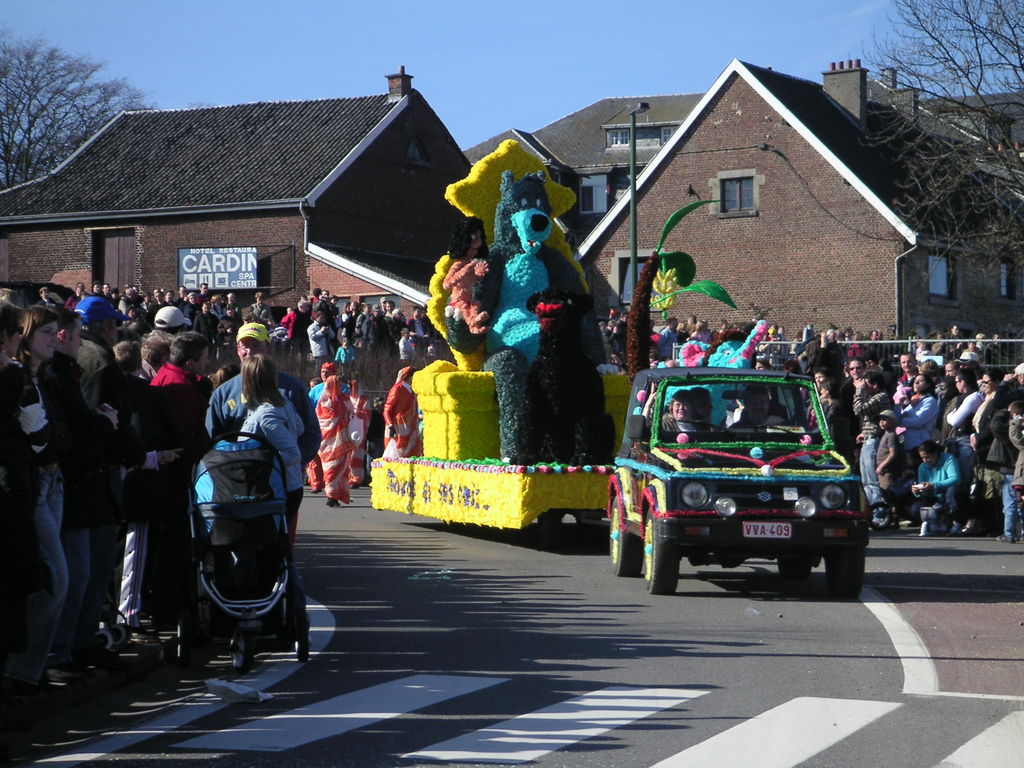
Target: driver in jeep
(759, 411)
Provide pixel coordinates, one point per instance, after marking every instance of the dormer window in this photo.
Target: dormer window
(618, 137)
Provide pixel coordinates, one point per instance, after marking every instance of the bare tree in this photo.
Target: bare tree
(50, 102)
(953, 75)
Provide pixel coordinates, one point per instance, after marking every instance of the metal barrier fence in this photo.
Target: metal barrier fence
(1004, 353)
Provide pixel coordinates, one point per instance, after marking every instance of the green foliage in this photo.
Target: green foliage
(678, 268)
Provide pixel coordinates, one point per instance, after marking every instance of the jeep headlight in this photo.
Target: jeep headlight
(694, 495)
(805, 507)
(725, 506)
(832, 496)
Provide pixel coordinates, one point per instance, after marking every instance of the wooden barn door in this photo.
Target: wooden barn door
(114, 257)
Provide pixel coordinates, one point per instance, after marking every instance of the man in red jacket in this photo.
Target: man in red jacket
(188, 394)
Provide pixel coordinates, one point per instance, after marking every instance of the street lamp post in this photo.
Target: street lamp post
(643, 106)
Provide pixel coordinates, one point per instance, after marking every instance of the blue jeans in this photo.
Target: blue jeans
(868, 477)
(43, 609)
(76, 549)
(102, 544)
(1011, 509)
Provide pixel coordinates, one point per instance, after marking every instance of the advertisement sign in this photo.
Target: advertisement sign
(220, 268)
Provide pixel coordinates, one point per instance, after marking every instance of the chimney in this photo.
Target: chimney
(848, 87)
(399, 84)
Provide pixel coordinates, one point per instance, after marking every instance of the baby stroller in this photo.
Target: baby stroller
(242, 563)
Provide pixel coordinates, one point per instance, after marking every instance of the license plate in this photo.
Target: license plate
(767, 530)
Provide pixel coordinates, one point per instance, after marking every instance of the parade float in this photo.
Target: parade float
(524, 424)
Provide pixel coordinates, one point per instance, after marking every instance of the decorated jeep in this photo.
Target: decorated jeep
(723, 465)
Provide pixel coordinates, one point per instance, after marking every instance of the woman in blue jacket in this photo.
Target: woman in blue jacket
(937, 479)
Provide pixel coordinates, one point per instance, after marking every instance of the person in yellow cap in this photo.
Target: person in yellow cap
(228, 410)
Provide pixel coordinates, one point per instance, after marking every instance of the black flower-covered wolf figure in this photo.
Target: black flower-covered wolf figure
(564, 418)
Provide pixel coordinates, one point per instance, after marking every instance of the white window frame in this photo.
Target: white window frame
(942, 276)
(618, 137)
(598, 184)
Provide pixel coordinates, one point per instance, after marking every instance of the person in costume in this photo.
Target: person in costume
(334, 411)
(401, 416)
(314, 469)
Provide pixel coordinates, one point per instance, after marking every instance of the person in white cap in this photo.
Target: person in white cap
(171, 319)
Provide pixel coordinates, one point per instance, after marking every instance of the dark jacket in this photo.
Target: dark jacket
(1002, 453)
(21, 566)
(103, 383)
(83, 464)
(205, 324)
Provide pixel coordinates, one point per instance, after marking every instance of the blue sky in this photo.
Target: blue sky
(484, 66)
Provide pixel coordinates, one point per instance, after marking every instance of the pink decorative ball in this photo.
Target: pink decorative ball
(682, 438)
(806, 440)
(641, 395)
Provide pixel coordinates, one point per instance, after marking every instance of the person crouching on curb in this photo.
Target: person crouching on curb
(891, 471)
(935, 489)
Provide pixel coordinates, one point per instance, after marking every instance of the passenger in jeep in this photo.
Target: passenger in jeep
(689, 410)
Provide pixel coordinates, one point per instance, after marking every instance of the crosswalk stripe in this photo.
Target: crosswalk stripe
(528, 737)
(265, 676)
(1000, 746)
(784, 736)
(341, 714)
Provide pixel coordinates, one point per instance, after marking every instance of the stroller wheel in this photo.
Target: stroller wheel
(120, 635)
(106, 637)
(242, 650)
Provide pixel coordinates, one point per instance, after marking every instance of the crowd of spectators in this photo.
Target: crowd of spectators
(934, 432)
(107, 401)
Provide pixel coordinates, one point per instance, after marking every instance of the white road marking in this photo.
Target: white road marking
(321, 627)
(919, 675)
(340, 714)
(530, 736)
(1001, 746)
(812, 725)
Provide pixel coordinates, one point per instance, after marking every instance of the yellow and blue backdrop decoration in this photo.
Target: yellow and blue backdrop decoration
(460, 479)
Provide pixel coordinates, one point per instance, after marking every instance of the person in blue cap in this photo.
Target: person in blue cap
(105, 392)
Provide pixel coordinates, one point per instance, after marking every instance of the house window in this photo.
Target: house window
(622, 275)
(415, 154)
(737, 195)
(942, 276)
(1007, 280)
(666, 133)
(618, 137)
(593, 194)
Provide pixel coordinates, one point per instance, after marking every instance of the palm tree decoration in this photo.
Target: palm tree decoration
(668, 275)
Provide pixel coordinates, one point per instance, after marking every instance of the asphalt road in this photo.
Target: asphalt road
(462, 646)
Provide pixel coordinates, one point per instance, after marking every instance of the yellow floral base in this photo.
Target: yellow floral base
(495, 495)
(460, 412)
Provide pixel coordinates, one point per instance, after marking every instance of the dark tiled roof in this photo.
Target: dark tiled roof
(874, 164)
(579, 140)
(412, 271)
(203, 157)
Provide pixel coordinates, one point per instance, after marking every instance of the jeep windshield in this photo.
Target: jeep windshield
(752, 409)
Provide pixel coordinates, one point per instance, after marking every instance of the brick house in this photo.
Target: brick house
(345, 194)
(805, 227)
(588, 151)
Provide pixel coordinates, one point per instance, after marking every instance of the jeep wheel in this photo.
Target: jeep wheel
(795, 568)
(844, 572)
(661, 562)
(626, 549)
